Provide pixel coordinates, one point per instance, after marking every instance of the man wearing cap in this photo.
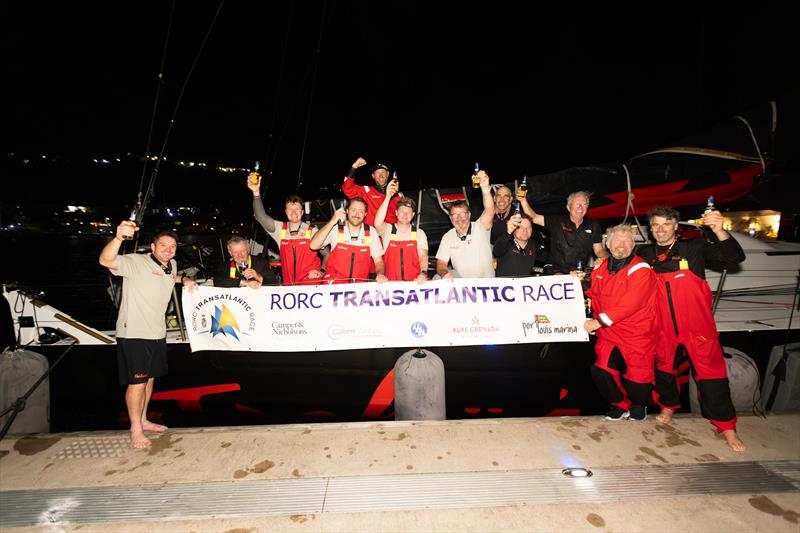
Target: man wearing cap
(373, 195)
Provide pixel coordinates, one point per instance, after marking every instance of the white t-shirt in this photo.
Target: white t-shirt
(422, 239)
(375, 249)
(471, 257)
(146, 291)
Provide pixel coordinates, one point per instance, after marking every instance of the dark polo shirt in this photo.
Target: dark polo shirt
(570, 244)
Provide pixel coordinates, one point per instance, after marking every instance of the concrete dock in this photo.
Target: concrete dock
(477, 475)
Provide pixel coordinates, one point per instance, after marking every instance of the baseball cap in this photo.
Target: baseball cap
(376, 166)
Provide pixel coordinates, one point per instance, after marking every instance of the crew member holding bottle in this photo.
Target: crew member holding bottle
(373, 195)
(354, 246)
(573, 238)
(686, 326)
(300, 265)
(405, 248)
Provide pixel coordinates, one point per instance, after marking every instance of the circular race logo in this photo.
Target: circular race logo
(419, 329)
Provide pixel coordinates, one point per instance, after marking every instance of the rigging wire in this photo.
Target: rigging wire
(269, 159)
(311, 96)
(154, 174)
(159, 83)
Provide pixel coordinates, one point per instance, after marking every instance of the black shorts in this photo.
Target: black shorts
(141, 359)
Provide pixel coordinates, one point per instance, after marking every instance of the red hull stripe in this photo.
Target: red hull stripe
(189, 399)
(646, 198)
(381, 398)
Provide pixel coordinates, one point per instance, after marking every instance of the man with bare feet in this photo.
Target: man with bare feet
(141, 329)
(686, 325)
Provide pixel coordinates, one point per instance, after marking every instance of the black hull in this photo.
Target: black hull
(215, 388)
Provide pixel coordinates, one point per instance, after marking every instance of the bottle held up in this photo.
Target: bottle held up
(476, 180)
(522, 190)
(254, 175)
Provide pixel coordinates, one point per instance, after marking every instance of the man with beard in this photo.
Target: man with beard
(686, 326)
(573, 238)
(372, 195)
(353, 247)
(299, 264)
(147, 283)
(623, 305)
(466, 246)
(405, 248)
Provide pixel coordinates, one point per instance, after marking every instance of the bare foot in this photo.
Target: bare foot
(151, 426)
(734, 442)
(138, 440)
(665, 417)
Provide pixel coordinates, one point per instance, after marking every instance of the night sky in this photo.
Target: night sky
(423, 87)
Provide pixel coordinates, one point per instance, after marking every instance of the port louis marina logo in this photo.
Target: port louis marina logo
(541, 325)
(228, 319)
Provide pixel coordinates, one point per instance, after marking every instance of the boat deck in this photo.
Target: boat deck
(477, 475)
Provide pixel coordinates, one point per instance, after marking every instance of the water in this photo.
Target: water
(66, 268)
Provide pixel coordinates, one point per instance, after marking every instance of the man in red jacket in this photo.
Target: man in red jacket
(685, 323)
(623, 293)
(373, 194)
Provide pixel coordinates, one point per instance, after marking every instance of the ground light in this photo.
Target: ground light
(577, 472)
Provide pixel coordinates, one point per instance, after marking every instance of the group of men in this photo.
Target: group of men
(651, 310)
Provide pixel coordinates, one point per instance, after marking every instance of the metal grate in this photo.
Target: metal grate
(95, 447)
(388, 493)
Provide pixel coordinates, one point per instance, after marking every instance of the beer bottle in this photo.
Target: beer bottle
(254, 175)
(476, 180)
(517, 216)
(709, 205)
(522, 190)
(132, 218)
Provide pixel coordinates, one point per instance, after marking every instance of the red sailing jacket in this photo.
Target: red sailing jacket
(297, 259)
(349, 262)
(625, 303)
(374, 199)
(684, 317)
(402, 258)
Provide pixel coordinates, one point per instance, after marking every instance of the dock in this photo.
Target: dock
(477, 475)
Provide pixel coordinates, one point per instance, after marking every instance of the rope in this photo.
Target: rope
(629, 208)
(311, 96)
(755, 142)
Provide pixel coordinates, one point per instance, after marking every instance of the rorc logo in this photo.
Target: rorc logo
(227, 317)
(419, 329)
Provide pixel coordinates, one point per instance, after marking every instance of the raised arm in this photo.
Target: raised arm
(528, 210)
(380, 214)
(487, 217)
(349, 187)
(318, 240)
(727, 250)
(110, 252)
(266, 221)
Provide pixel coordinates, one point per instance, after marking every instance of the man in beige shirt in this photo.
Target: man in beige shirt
(141, 330)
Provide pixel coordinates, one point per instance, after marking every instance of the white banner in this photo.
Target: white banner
(461, 312)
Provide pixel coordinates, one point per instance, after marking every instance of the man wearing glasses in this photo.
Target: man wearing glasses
(466, 246)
